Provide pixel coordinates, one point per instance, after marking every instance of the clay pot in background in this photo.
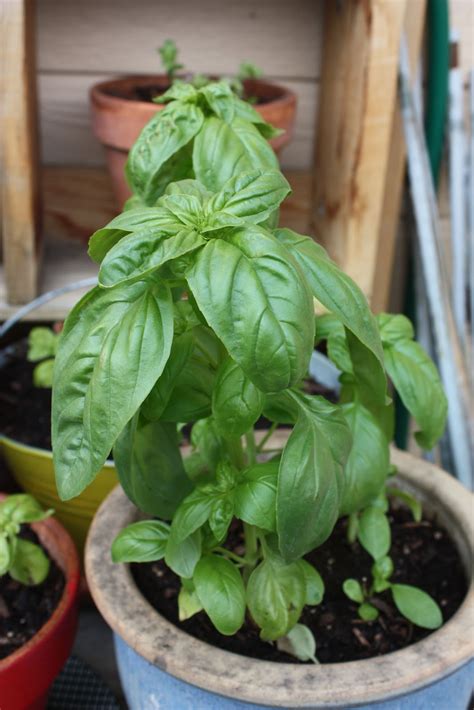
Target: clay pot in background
(118, 117)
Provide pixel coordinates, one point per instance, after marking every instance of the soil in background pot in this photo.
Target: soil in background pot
(423, 555)
(150, 92)
(23, 609)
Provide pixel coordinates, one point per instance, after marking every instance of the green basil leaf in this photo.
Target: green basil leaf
(188, 209)
(368, 612)
(182, 557)
(148, 169)
(417, 606)
(180, 91)
(374, 532)
(30, 565)
(113, 348)
(5, 554)
(43, 374)
(144, 541)
(194, 511)
(206, 439)
(252, 196)
(314, 583)
(188, 601)
(23, 508)
(188, 187)
(218, 96)
(334, 289)
(236, 402)
(190, 398)
(368, 462)
(394, 328)
(299, 642)
(275, 597)
(246, 112)
(255, 495)
(270, 335)
(353, 590)
(138, 255)
(382, 570)
(222, 150)
(417, 381)
(311, 476)
(413, 503)
(221, 517)
(220, 589)
(42, 343)
(150, 467)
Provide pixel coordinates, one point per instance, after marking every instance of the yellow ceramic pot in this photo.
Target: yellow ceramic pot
(33, 470)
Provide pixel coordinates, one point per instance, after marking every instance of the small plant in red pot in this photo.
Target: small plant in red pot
(122, 107)
(39, 578)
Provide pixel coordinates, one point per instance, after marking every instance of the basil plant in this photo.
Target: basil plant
(204, 315)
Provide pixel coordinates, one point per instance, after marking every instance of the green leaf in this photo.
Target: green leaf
(220, 589)
(188, 601)
(246, 112)
(144, 541)
(311, 476)
(368, 612)
(417, 381)
(299, 642)
(5, 554)
(222, 151)
(255, 495)
(413, 503)
(252, 196)
(270, 335)
(374, 532)
(368, 463)
(394, 328)
(276, 595)
(43, 374)
(194, 511)
(417, 606)
(205, 438)
(221, 516)
(148, 170)
(179, 90)
(219, 98)
(113, 348)
(42, 343)
(138, 255)
(382, 570)
(23, 508)
(314, 583)
(236, 402)
(334, 289)
(30, 565)
(188, 187)
(182, 557)
(353, 590)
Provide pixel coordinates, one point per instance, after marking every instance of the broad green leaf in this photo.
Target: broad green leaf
(222, 151)
(413, 503)
(275, 597)
(252, 196)
(42, 343)
(43, 374)
(334, 289)
(194, 511)
(150, 467)
(188, 187)
(138, 255)
(417, 606)
(368, 463)
(188, 209)
(113, 348)
(331, 329)
(270, 335)
(5, 554)
(311, 476)
(30, 565)
(299, 642)
(144, 541)
(314, 583)
(148, 170)
(188, 601)
(182, 557)
(368, 612)
(221, 516)
(382, 570)
(374, 532)
(23, 508)
(220, 589)
(394, 327)
(179, 91)
(417, 381)
(206, 439)
(255, 495)
(246, 112)
(220, 100)
(353, 590)
(236, 402)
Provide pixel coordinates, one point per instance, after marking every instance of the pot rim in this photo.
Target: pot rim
(278, 684)
(35, 450)
(49, 531)
(101, 98)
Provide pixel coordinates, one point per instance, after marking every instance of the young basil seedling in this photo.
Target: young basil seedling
(42, 347)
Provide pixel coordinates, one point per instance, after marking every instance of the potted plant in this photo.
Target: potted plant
(204, 315)
(25, 430)
(122, 107)
(39, 581)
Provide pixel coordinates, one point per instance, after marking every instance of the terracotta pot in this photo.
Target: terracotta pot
(118, 118)
(26, 674)
(162, 666)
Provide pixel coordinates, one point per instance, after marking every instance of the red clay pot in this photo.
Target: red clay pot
(118, 118)
(26, 675)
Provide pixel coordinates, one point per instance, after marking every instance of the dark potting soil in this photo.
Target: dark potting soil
(25, 410)
(23, 609)
(423, 555)
(149, 92)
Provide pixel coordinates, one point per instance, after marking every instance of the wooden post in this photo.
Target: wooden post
(19, 150)
(358, 95)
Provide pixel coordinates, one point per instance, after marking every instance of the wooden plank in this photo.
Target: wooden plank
(120, 36)
(66, 135)
(19, 151)
(358, 91)
(414, 21)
